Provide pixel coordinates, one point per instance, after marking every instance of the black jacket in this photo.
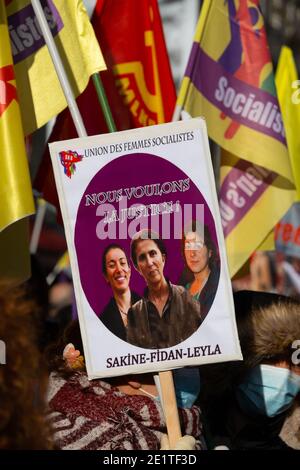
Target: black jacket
(111, 317)
(208, 292)
(226, 423)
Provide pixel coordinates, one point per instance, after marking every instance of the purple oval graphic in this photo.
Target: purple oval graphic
(161, 190)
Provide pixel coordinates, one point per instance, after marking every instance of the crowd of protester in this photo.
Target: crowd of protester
(47, 401)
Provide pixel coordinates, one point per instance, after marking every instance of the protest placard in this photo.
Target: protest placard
(141, 218)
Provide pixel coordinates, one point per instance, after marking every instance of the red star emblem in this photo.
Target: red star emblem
(8, 92)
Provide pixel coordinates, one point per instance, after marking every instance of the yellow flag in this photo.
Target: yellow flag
(287, 85)
(229, 80)
(14, 253)
(40, 93)
(15, 188)
(252, 200)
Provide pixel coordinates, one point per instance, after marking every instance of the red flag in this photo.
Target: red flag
(138, 82)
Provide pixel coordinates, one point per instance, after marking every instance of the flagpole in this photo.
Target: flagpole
(38, 223)
(177, 112)
(62, 76)
(104, 102)
(205, 7)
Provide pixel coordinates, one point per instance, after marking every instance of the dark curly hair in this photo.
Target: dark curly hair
(23, 377)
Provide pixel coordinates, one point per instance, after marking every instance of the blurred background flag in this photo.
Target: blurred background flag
(132, 35)
(287, 233)
(15, 185)
(40, 93)
(15, 189)
(138, 81)
(229, 80)
(287, 84)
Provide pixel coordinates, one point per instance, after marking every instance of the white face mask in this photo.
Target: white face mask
(268, 390)
(187, 386)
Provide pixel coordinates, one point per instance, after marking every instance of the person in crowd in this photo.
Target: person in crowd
(117, 272)
(202, 271)
(246, 403)
(61, 299)
(167, 314)
(23, 375)
(61, 296)
(290, 267)
(52, 309)
(262, 272)
(120, 413)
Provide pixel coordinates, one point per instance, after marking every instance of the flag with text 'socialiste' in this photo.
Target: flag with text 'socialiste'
(229, 80)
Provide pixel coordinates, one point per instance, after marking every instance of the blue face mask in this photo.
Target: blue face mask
(187, 386)
(268, 390)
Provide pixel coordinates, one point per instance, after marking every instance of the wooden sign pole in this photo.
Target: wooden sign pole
(170, 407)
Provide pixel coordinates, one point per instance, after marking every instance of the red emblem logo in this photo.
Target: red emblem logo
(68, 160)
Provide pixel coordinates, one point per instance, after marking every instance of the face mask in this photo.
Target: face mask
(268, 390)
(187, 386)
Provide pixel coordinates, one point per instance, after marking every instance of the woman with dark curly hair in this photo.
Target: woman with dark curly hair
(23, 378)
(116, 270)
